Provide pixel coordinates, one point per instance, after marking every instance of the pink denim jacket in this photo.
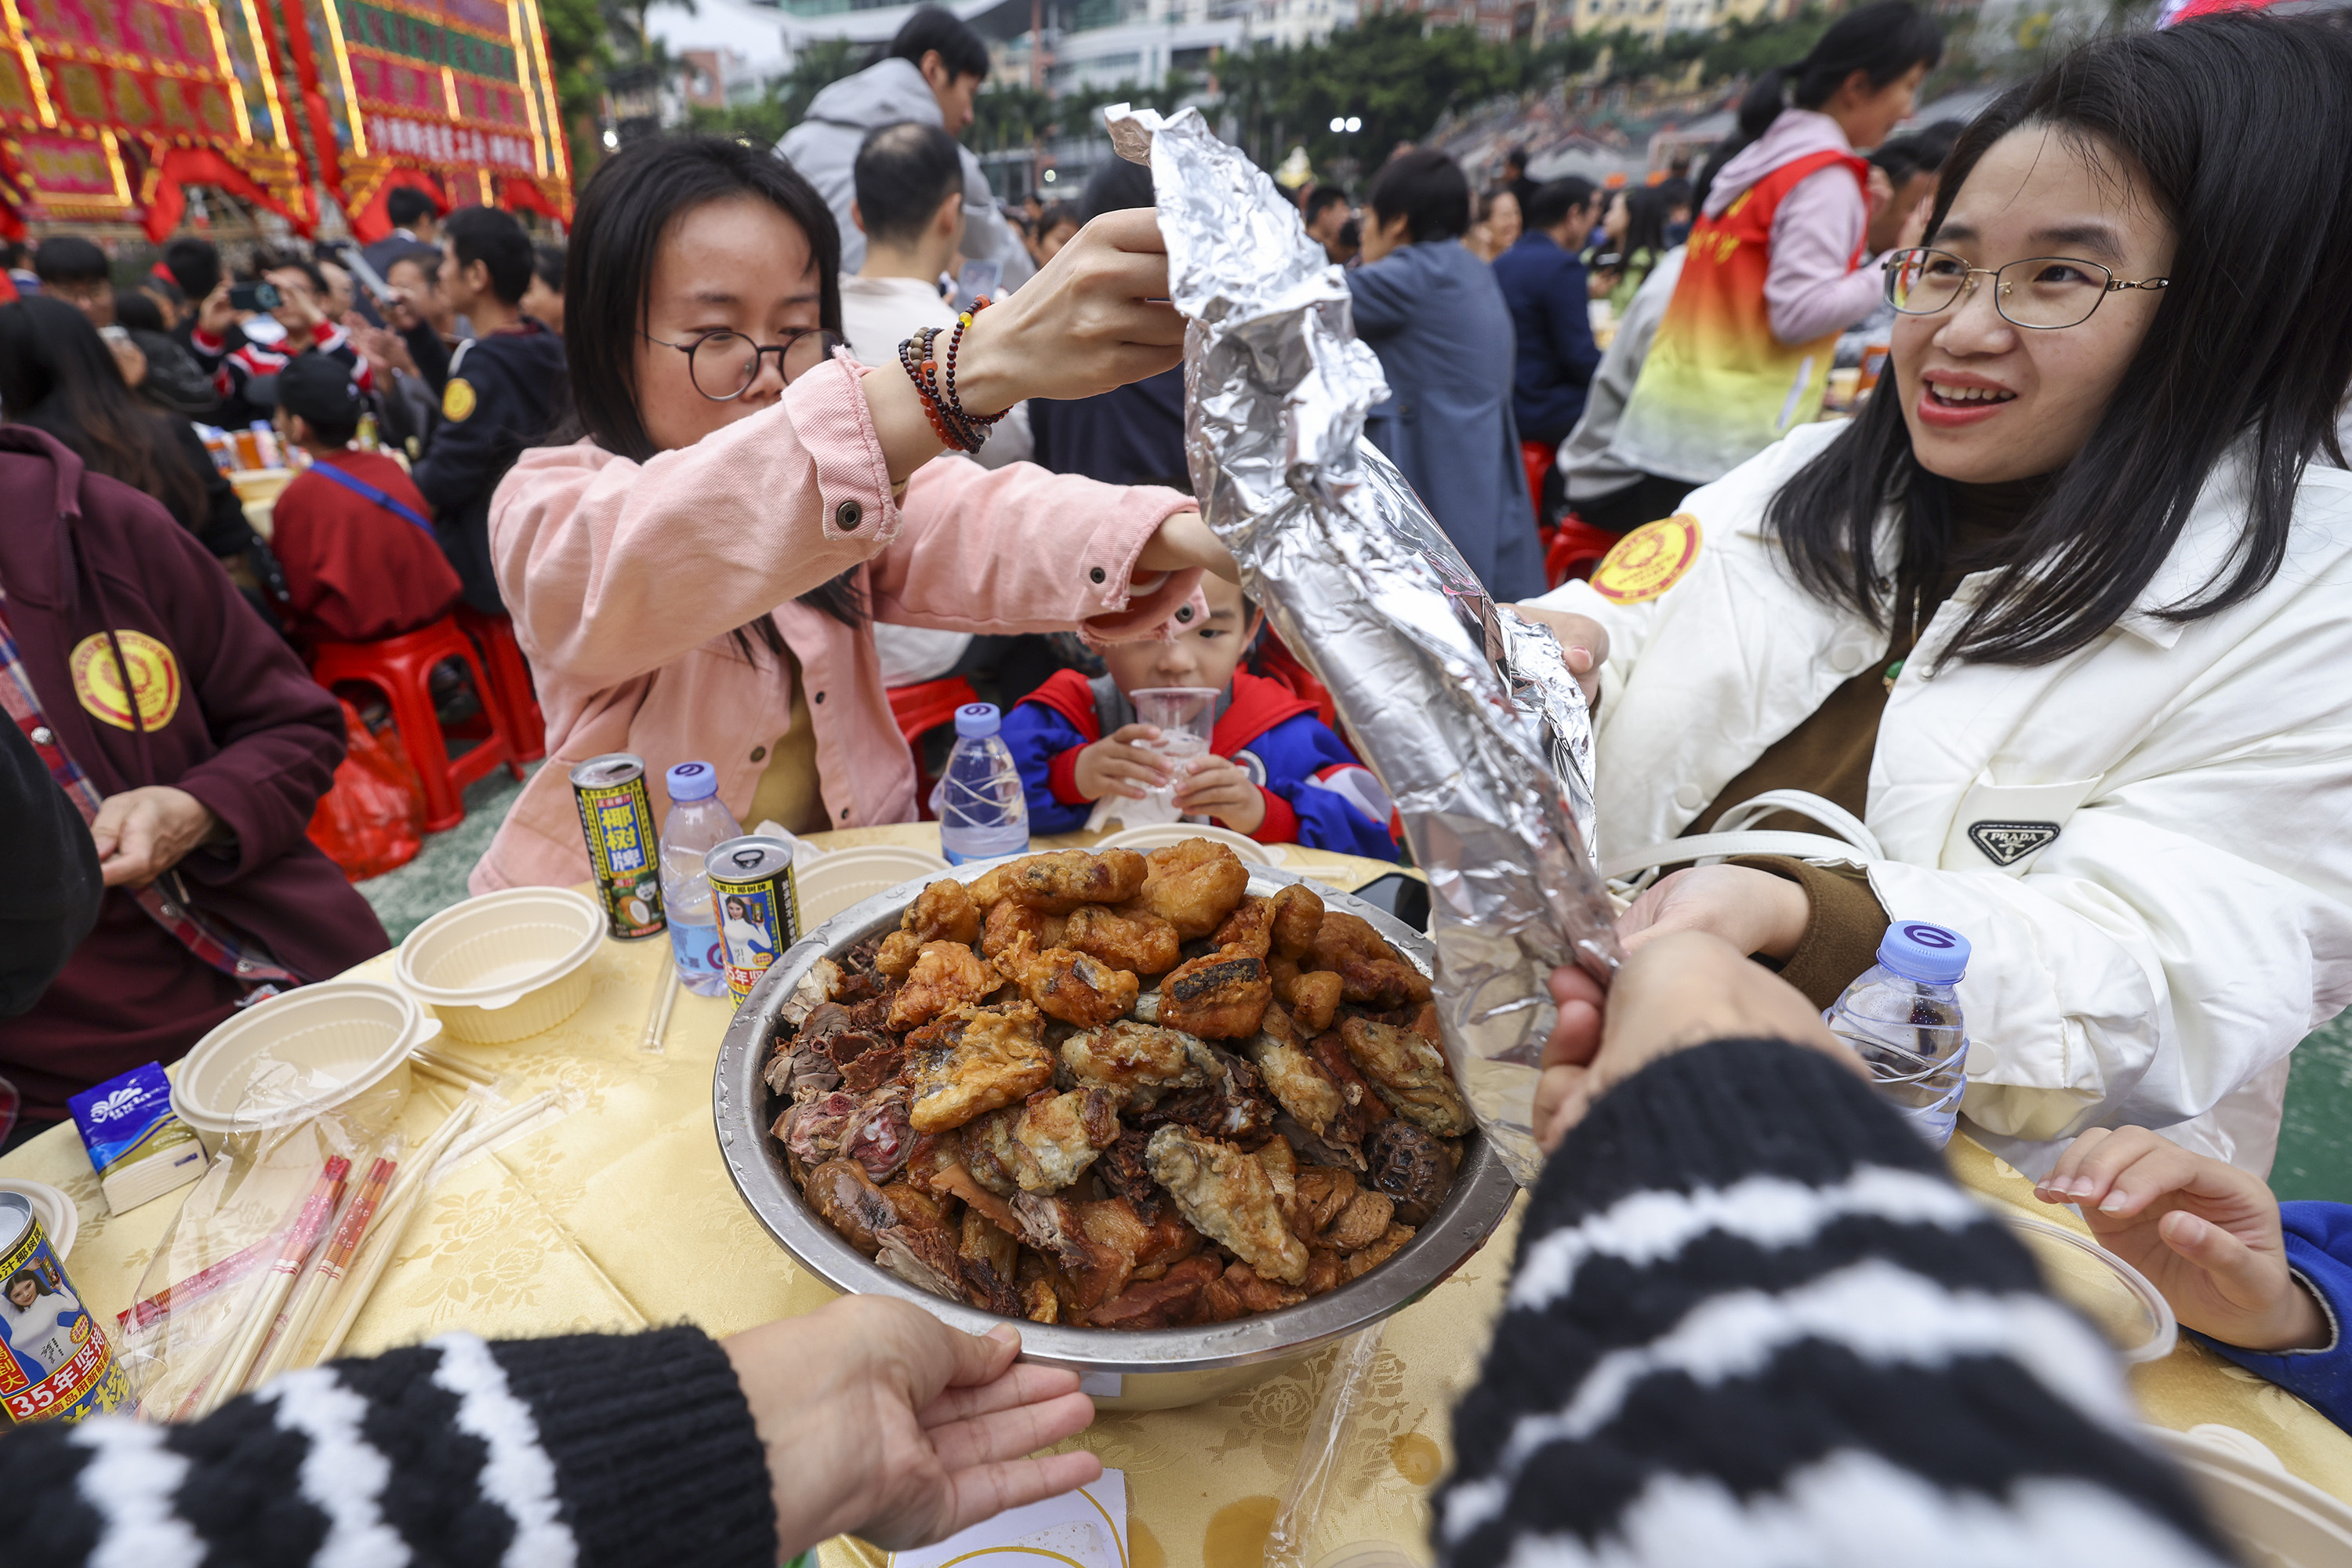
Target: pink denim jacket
(625, 580)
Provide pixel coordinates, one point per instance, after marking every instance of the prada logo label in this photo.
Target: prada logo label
(2007, 842)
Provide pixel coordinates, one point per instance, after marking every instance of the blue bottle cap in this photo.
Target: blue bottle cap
(975, 719)
(693, 781)
(1917, 951)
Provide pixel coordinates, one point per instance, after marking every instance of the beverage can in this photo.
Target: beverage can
(56, 1361)
(616, 813)
(758, 905)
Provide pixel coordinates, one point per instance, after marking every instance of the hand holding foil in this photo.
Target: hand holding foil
(1466, 713)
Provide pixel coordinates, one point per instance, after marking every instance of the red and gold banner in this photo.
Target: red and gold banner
(278, 100)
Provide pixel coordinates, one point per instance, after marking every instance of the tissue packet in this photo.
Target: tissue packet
(139, 1148)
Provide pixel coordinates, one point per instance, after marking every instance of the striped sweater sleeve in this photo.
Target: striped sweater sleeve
(1753, 1322)
(584, 1451)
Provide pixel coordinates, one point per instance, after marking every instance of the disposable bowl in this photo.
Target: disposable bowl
(1145, 1371)
(60, 1220)
(840, 877)
(505, 965)
(341, 1039)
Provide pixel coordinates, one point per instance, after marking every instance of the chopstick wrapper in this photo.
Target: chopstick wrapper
(1465, 711)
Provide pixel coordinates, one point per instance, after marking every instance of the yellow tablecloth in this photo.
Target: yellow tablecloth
(622, 1215)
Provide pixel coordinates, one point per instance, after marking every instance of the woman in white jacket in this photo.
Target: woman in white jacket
(2064, 617)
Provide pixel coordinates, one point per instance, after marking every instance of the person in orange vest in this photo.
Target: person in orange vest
(1775, 268)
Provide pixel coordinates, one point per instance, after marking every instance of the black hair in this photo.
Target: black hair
(1549, 204)
(15, 252)
(2251, 346)
(1428, 190)
(1116, 186)
(1322, 197)
(1647, 208)
(547, 262)
(195, 265)
(133, 309)
(1882, 39)
(629, 204)
(427, 257)
(1056, 215)
(496, 240)
(1517, 155)
(406, 203)
(288, 261)
(56, 374)
(1921, 152)
(961, 50)
(1675, 192)
(903, 171)
(70, 258)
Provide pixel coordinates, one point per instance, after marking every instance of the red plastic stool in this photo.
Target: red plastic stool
(1537, 458)
(510, 680)
(919, 708)
(1576, 550)
(401, 669)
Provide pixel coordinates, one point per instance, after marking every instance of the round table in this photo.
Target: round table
(622, 1215)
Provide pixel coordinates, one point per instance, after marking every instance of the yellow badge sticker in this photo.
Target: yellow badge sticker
(1648, 561)
(154, 678)
(457, 399)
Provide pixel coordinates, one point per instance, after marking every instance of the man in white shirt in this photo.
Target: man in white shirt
(909, 207)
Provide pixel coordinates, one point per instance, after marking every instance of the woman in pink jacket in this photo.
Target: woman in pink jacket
(698, 576)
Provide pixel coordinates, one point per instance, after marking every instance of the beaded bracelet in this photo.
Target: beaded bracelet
(950, 421)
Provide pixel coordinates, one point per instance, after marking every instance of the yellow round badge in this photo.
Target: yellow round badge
(154, 678)
(457, 399)
(1648, 561)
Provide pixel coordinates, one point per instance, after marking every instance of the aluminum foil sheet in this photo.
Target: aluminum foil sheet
(1466, 711)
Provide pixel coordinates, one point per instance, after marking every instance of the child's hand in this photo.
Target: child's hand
(2205, 1234)
(1118, 764)
(1222, 789)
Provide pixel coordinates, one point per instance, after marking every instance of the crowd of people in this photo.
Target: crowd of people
(2040, 644)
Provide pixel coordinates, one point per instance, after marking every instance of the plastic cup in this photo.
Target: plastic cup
(1184, 715)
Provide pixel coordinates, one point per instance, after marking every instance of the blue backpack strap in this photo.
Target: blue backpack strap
(360, 486)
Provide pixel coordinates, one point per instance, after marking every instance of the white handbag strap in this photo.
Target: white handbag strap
(1855, 845)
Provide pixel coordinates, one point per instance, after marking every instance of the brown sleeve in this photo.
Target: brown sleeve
(1842, 938)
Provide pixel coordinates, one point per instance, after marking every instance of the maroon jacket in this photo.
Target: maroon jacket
(249, 733)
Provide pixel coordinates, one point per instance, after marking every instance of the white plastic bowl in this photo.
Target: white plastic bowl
(2120, 1299)
(840, 877)
(1144, 840)
(347, 1036)
(60, 1220)
(505, 965)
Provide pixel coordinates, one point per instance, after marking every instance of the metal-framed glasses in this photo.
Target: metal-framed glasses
(2042, 293)
(724, 364)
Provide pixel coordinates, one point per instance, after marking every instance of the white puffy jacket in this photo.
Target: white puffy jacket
(2192, 920)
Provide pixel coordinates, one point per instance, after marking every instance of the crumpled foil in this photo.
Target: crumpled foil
(1466, 711)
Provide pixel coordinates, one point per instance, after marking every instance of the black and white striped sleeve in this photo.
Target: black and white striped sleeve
(1753, 1322)
(575, 1452)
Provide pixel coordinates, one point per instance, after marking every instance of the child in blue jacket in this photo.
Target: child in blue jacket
(2268, 1285)
(1275, 771)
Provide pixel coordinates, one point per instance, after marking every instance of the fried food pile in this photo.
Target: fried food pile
(1120, 1091)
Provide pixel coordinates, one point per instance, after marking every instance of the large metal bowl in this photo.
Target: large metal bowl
(1139, 1371)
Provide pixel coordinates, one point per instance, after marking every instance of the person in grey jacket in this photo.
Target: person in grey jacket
(934, 68)
(1436, 317)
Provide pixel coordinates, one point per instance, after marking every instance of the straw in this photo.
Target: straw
(658, 1017)
(261, 1314)
(331, 1266)
(449, 1065)
(339, 1295)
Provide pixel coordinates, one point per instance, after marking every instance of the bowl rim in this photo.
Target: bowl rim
(378, 1068)
(1145, 839)
(1480, 1198)
(487, 998)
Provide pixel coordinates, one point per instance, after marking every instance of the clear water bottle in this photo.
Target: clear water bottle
(699, 822)
(1903, 1019)
(982, 811)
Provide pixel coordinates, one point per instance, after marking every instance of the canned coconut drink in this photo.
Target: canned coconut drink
(758, 907)
(55, 1363)
(624, 847)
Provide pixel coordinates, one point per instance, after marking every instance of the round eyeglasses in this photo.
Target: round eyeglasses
(2042, 293)
(724, 364)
